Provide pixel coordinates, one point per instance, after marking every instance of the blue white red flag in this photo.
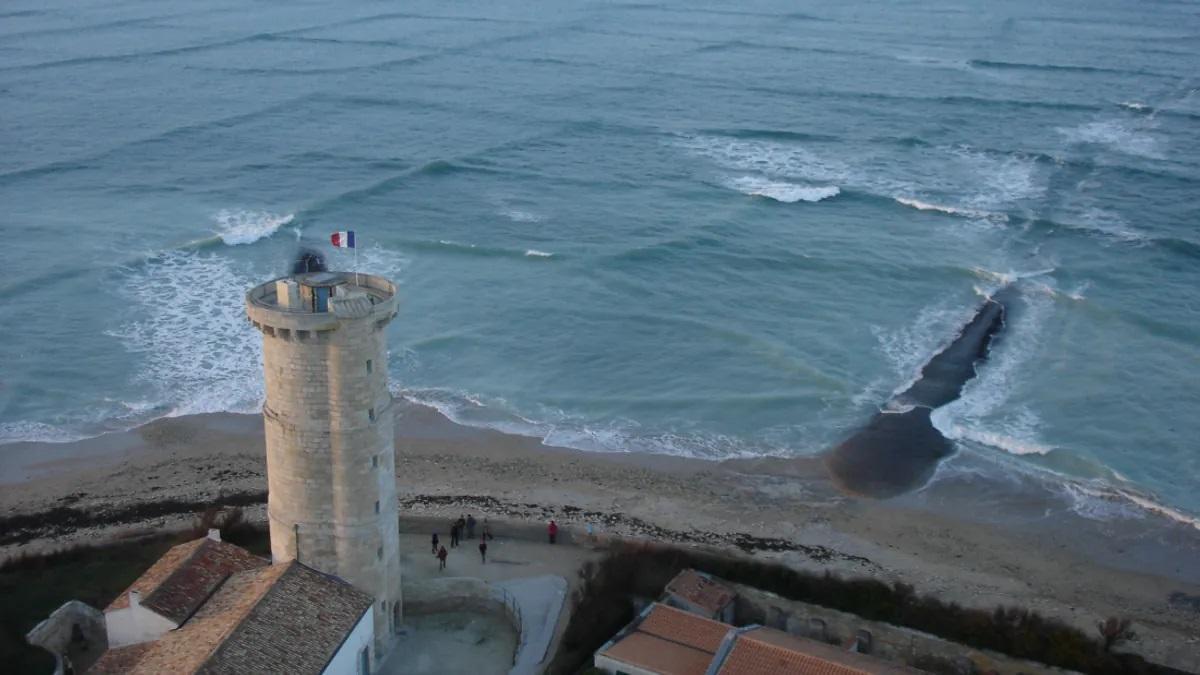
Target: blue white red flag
(343, 239)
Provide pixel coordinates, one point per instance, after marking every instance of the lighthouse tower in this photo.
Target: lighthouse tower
(331, 458)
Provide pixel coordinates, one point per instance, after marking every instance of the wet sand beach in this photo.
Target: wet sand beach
(946, 539)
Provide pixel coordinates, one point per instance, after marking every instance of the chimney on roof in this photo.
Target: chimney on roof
(135, 598)
(214, 534)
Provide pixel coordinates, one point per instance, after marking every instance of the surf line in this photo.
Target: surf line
(898, 451)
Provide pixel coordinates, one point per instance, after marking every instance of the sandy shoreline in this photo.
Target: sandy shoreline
(1075, 569)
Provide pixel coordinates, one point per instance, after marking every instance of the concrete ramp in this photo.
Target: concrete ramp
(536, 603)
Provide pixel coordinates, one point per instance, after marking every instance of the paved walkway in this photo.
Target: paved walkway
(540, 601)
(536, 575)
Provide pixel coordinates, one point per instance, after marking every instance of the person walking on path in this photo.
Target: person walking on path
(552, 530)
(453, 535)
(483, 551)
(435, 543)
(462, 527)
(470, 527)
(442, 558)
(487, 530)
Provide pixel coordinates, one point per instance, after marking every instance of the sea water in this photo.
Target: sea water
(705, 229)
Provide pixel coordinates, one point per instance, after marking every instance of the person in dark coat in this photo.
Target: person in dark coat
(470, 527)
(483, 551)
(453, 535)
(552, 530)
(442, 558)
(435, 543)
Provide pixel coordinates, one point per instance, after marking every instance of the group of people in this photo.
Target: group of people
(463, 528)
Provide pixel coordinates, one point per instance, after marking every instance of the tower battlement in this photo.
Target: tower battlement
(330, 437)
(318, 301)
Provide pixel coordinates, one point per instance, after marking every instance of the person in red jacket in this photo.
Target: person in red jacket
(441, 558)
(552, 530)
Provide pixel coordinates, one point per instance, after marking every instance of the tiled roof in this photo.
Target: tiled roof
(284, 618)
(766, 651)
(671, 642)
(296, 628)
(180, 581)
(683, 627)
(700, 590)
(646, 652)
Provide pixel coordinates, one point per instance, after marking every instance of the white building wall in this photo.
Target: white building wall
(134, 624)
(345, 661)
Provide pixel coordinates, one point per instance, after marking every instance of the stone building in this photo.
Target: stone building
(328, 414)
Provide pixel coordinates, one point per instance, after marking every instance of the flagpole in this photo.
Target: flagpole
(356, 281)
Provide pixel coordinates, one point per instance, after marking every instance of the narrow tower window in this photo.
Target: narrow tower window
(379, 553)
(371, 414)
(370, 367)
(375, 461)
(377, 506)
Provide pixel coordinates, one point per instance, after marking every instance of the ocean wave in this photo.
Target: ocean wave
(1134, 105)
(1118, 135)
(521, 215)
(559, 429)
(238, 227)
(197, 353)
(451, 247)
(1051, 67)
(1096, 500)
(908, 348)
(779, 191)
(983, 413)
(39, 432)
(951, 210)
(769, 158)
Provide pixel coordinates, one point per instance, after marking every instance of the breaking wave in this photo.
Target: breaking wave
(951, 210)
(239, 227)
(780, 191)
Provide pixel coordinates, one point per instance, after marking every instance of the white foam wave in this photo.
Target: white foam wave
(982, 413)
(534, 253)
(1134, 105)
(966, 213)
(1000, 279)
(559, 429)
(1108, 223)
(26, 431)
(780, 191)
(239, 227)
(909, 348)
(774, 159)
(521, 215)
(934, 61)
(197, 352)
(372, 259)
(1118, 135)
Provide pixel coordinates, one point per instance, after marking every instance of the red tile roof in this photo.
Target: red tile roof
(701, 590)
(670, 641)
(180, 581)
(684, 628)
(646, 652)
(766, 651)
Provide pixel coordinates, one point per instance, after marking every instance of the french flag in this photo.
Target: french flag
(343, 239)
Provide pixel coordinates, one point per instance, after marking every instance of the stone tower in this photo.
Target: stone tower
(331, 458)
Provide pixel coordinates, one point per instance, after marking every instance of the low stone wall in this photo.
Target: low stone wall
(894, 643)
(452, 594)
